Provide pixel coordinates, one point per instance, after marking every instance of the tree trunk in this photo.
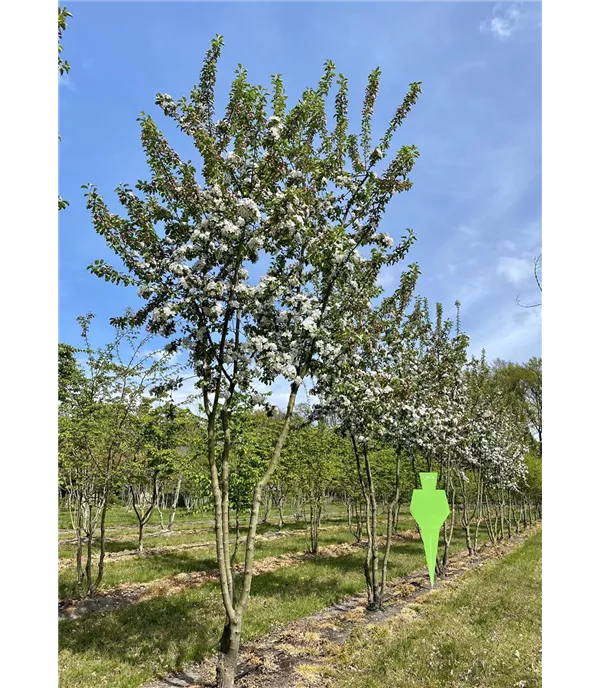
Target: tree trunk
(140, 537)
(100, 574)
(173, 511)
(280, 505)
(315, 523)
(448, 532)
(490, 527)
(502, 515)
(88, 563)
(265, 518)
(513, 515)
(391, 518)
(357, 508)
(219, 473)
(466, 522)
(79, 525)
(374, 601)
(229, 648)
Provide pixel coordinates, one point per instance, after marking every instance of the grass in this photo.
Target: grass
(485, 632)
(119, 516)
(127, 647)
(148, 568)
(128, 541)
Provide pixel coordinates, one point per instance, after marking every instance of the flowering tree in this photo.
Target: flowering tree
(433, 418)
(251, 267)
(365, 393)
(493, 452)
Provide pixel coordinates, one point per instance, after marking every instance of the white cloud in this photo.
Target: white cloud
(473, 289)
(515, 270)
(66, 81)
(467, 230)
(510, 334)
(504, 22)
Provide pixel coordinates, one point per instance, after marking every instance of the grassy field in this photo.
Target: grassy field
(124, 648)
(118, 516)
(127, 647)
(147, 568)
(485, 632)
(151, 567)
(183, 535)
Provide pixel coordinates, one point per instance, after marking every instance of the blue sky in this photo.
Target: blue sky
(476, 201)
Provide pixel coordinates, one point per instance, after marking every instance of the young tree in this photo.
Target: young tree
(314, 462)
(186, 432)
(283, 194)
(431, 415)
(493, 454)
(152, 457)
(99, 399)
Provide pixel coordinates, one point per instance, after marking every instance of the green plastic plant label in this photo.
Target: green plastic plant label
(429, 507)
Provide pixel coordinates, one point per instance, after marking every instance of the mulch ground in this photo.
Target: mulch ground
(294, 655)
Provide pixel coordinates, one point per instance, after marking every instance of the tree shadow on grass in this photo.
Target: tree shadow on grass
(120, 545)
(168, 632)
(186, 626)
(148, 569)
(179, 628)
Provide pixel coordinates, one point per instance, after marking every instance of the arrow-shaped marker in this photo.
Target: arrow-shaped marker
(429, 507)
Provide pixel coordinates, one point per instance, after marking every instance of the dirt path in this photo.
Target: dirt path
(294, 656)
(174, 533)
(134, 528)
(127, 594)
(66, 562)
(133, 535)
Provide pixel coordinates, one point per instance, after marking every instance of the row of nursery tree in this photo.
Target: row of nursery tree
(263, 265)
(118, 445)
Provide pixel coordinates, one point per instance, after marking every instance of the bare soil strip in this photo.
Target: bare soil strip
(133, 535)
(293, 655)
(158, 531)
(66, 562)
(133, 527)
(127, 594)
